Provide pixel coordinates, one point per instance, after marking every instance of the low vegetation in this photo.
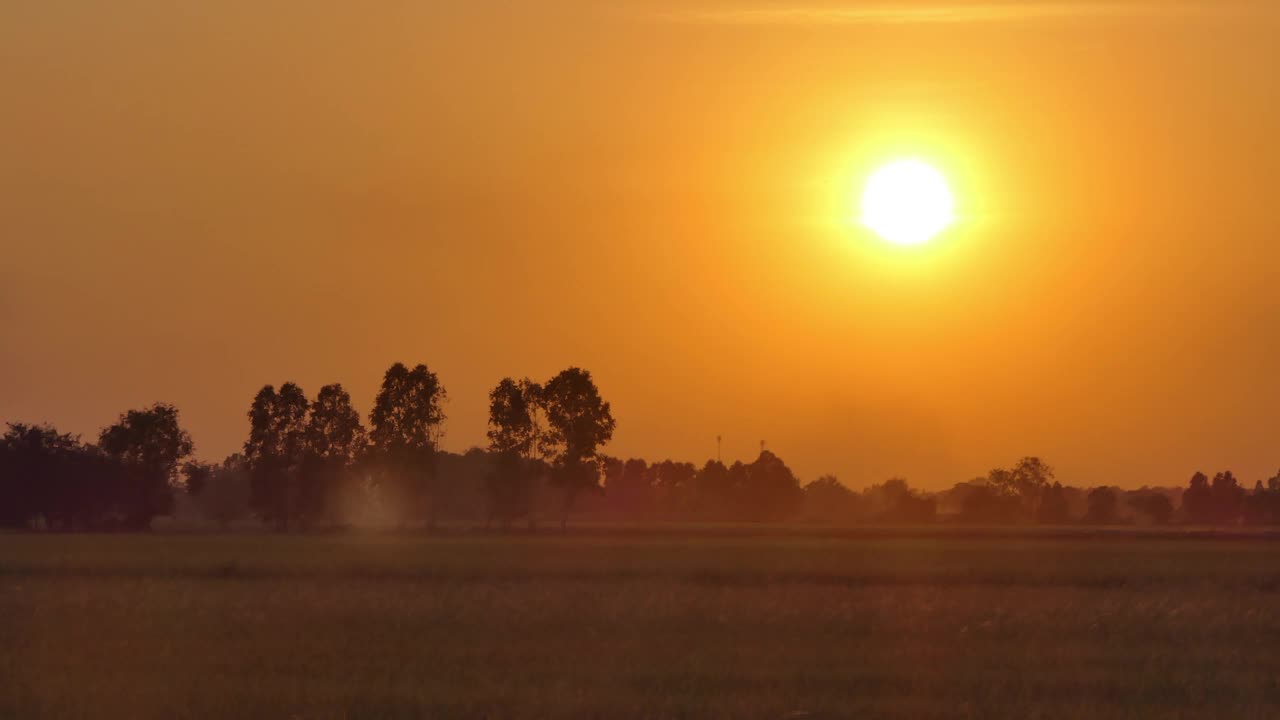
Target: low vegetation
(743, 623)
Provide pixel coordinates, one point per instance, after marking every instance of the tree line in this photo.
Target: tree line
(313, 463)
(1028, 494)
(123, 481)
(307, 458)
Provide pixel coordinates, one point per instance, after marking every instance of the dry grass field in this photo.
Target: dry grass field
(769, 625)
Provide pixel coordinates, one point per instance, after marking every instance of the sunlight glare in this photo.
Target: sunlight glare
(907, 202)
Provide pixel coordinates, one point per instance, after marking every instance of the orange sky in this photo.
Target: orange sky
(199, 198)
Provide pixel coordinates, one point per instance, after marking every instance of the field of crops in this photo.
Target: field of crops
(613, 625)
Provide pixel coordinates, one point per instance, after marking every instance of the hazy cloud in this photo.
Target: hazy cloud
(929, 13)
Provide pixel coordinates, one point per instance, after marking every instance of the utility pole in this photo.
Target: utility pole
(718, 450)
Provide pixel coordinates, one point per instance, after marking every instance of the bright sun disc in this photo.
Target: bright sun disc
(907, 203)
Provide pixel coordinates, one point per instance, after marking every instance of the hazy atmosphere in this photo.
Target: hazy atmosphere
(200, 198)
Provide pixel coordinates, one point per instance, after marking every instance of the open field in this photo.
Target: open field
(714, 624)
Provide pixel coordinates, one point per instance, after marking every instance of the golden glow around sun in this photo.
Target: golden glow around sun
(907, 202)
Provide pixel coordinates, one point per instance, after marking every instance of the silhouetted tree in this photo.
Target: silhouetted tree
(196, 475)
(514, 439)
(275, 451)
(97, 492)
(406, 425)
(1026, 481)
(150, 445)
(898, 503)
(1055, 509)
(770, 491)
(989, 504)
(579, 422)
(1197, 501)
(1262, 507)
(1219, 502)
(1155, 505)
(828, 500)
(629, 487)
(737, 507)
(1227, 498)
(672, 487)
(712, 491)
(1104, 507)
(334, 439)
(49, 476)
(32, 462)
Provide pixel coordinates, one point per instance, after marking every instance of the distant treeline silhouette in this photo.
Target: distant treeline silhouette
(313, 464)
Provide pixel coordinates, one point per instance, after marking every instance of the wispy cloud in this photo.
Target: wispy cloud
(929, 13)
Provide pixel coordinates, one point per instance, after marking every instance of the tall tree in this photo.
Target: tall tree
(406, 424)
(514, 440)
(1271, 500)
(275, 450)
(1197, 501)
(1262, 506)
(511, 423)
(541, 447)
(771, 491)
(1104, 507)
(579, 422)
(712, 491)
(334, 439)
(1027, 481)
(1228, 498)
(151, 445)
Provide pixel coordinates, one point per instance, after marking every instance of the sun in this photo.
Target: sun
(907, 202)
